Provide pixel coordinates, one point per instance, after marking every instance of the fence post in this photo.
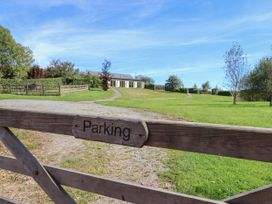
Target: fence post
(59, 89)
(26, 87)
(43, 89)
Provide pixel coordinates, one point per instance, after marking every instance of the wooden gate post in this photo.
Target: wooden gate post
(34, 167)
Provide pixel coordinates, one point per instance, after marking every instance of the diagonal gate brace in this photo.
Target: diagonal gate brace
(35, 168)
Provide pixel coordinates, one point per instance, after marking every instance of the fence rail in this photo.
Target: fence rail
(65, 89)
(232, 141)
(41, 89)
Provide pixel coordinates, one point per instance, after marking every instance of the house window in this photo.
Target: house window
(130, 84)
(113, 83)
(122, 83)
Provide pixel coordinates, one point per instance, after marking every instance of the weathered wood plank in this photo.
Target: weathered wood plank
(36, 170)
(232, 141)
(108, 187)
(130, 133)
(44, 122)
(7, 201)
(261, 195)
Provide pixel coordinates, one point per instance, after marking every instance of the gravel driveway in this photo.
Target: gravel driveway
(89, 108)
(141, 165)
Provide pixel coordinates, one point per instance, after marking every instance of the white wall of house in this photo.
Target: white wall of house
(117, 83)
(127, 84)
(135, 84)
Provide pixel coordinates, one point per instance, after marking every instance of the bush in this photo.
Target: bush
(35, 72)
(49, 83)
(183, 90)
(159, 87)
(193, 91)
(224, 93)
(92, 80)
(251, 95)
(149, 86)
(215, 91)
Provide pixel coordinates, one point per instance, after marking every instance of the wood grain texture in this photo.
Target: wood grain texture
(35, 169)
(124, 132)
(44, 122)
(7, 201)
(232, 141)
(116, 189)
(261, 195)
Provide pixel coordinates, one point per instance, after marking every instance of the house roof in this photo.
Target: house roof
(118, 76)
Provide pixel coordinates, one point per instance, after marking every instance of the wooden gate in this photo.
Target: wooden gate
(231, 141)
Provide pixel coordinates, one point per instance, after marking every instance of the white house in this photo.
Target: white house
(124, 80)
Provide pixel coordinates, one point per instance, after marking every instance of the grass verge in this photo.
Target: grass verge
(199, 174)
(93, 94)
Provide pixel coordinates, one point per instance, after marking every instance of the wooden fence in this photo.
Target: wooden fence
(65, 89)
(231, 141)
(42, 90)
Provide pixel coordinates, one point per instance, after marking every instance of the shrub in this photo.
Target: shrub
(35, 72)
(159, 87)
(93, 81)
(149, 86)
(49, 83)
(224, 93)
(183, 90)
(215, 91)
(194, 90)
(251, 95)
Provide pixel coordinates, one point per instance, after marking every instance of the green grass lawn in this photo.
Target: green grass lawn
(93, 94)
(198, 108)
(200, 174)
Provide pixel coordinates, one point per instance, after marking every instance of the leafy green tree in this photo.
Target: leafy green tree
(65, 69)
(258, 84)
(173, 83)
(145, 79)
(15, 59)
(105, 75)
(94, 81)
(235, 69)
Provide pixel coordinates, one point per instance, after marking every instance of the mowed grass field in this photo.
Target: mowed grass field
(199, 174)
(88, 95)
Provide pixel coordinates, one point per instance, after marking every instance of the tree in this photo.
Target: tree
(91, 79)
(65, 69)
(35, 72)
(195, 86)
(206, 86)
(147, 80)
(173, 83)
(235, 69)
(105, 74)
(258, 84)
(15, 59)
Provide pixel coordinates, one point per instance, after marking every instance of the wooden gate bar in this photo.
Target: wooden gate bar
(262, 195)
(224, 140)
(7, 201)
(115, 189)
(35, 169)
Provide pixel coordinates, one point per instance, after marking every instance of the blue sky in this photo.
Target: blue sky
(150, 37)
